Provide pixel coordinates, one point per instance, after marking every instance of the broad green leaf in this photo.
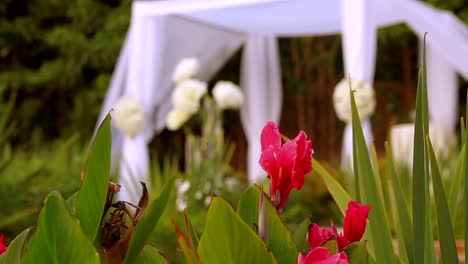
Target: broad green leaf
(337, 191)
(59, 237)
(357, 253)
(148, 222)
(448, 249)
(229, 240)
(150, 255)
(379, 227)
(71, 203)
(16, 248)
(300, 236)
(456, 184)
(92, 194)
(280, 240)
(402, 216)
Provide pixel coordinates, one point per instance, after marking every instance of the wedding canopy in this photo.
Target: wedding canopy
(162, 33)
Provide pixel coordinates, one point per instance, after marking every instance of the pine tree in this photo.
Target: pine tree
(58, 57)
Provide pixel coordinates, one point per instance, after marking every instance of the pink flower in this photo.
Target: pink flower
(354, 224)
(318, 236)
(321, 255)
(3, 247)
(286, 164)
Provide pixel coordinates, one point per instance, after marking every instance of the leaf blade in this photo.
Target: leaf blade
(91, 197)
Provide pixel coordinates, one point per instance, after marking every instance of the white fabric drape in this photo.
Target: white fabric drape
(260, 80)
(442, 85)
(143, 75)
(359, 35)
(163, 32)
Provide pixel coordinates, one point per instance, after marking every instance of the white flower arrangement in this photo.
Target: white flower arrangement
(176, 118)
(128, 116)
(185, 69)
(189, 92)
(186, 96)
(227, 95)
(364, 96)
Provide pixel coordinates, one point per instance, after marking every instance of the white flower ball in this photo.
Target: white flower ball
(227, 95)
(186, 96)
(128, 116)
(176, 118)
(186, 69)
(364, 96)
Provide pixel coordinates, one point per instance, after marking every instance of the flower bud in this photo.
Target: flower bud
(128, 116)
(227, 95)
(186, 69)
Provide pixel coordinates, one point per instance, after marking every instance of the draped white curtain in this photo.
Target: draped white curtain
(260, 80)
(442, 85)
(163, 32)
(359, 35)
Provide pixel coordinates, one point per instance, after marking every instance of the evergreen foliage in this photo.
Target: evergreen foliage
(58, 56)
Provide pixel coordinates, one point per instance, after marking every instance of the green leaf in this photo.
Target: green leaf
(148, 222)
(92, 194)
(456, 184)
(465, 191)
(191, 230)
(357, 253)
(423, 242)
(59, 237)
(229, 240)
(16, 248)
(402, 216)
(462, 131)
(187, 248)
(379, 227)
(280, 240)
(337, 191)
(71, 203)
(150, 255)
(448, 249)
(301, 234)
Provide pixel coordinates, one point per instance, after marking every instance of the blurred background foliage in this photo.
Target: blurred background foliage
(56, 61)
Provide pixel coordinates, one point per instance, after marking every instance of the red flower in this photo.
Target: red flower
(3, 247)
(318, 236)
(321, 255)
(354, 224)
(285, 164)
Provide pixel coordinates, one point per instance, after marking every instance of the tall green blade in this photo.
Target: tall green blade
(456, 184)
(337, 191)
(448, 249)
(148, 222)
(380, 230)
(462, 130)
(465, 191)
(421, 213)
(92, 194)
(402, 215)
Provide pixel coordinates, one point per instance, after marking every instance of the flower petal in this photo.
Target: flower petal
(320, 255)
(270, 136)
(355, 221)
(269, 163)
(317, 236)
